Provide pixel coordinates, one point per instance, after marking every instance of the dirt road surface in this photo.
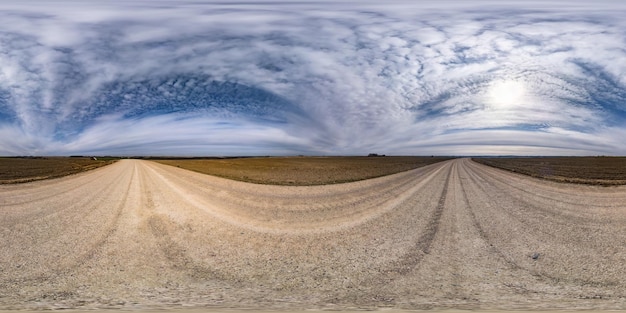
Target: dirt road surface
(457, 234)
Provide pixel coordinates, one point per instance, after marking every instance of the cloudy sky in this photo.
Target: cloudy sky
(192, 77)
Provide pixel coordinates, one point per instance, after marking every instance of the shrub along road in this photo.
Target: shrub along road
(456, 234)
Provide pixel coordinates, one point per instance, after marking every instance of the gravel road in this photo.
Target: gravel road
(456, 234)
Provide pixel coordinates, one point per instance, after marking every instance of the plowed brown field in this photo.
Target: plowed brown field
(26, 169)
(456, 234)
(605, 171)
(303, 171)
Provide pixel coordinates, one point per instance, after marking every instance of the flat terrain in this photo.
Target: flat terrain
(19, 170)
(456, 234)
(582, 170)
(303, 171)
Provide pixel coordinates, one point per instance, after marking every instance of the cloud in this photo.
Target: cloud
(192, 136)
(204, 78)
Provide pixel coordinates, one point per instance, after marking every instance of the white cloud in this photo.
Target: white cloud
(186, 134)
(394, 78)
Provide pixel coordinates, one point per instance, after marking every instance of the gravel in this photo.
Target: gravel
(141, 235)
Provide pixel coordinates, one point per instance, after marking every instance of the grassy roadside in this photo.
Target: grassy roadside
(303, 171)
(604, 171)
(20, 170)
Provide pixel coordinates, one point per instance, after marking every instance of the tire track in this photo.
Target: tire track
(69, 260)
(111, 226)
(422, 246)
(540, 229)
(39, 190)
(543, 192)
(481, 230)
(176, 255)
(484, 233)
(43, 211)
(343, 213)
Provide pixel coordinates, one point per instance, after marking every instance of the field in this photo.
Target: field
(583, 170)
(25, 169)
(303, 171)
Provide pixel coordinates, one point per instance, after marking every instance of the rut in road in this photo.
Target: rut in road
(138, 234)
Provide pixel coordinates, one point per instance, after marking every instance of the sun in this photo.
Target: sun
(506, 93)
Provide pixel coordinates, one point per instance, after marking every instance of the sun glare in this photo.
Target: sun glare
(506, 93)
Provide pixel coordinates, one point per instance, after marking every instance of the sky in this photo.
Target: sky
(208, 78)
